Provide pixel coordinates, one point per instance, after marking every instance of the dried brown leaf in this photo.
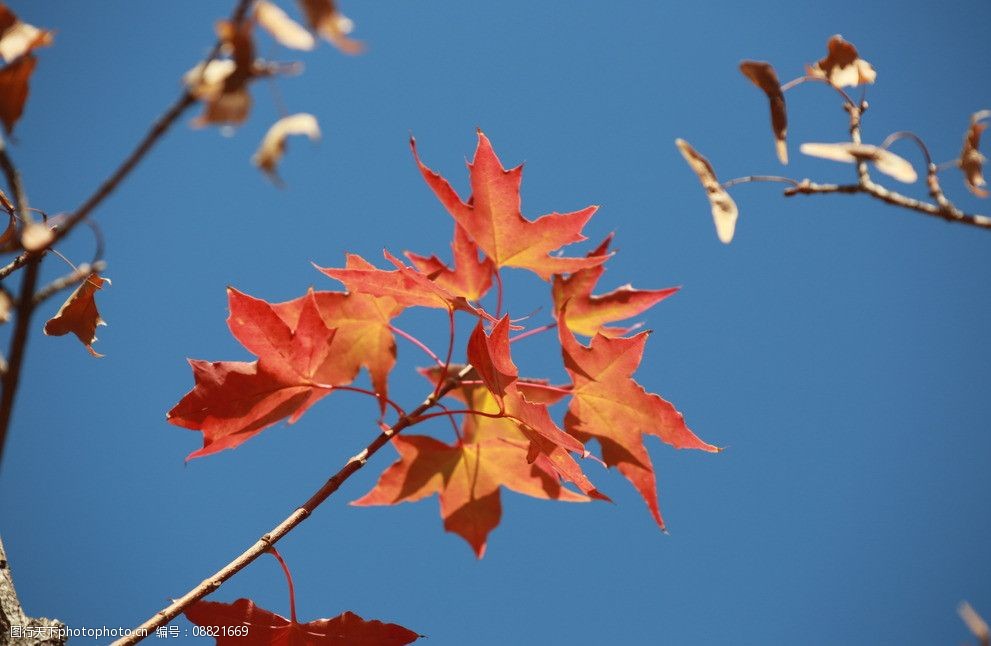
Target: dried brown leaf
(763, 76)
(14, 89)
(724, 211)
(324, 18)
(884, 160)
(971, 160)
(18, 38)
(79, 314)
(223, 84)
(8, 239)
(273, 145)
(284, 29)
(843, 66)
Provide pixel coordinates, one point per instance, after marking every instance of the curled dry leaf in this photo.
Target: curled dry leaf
(884, 160)
(14, 90)
(971, 160)
(843, 66)
(223, 84)
(8, 239)
(18, 38)
(6, 305)
(79, 314)
(284, 29)
(763, 76)
(324, 18)
(273, 145)
(724, 211)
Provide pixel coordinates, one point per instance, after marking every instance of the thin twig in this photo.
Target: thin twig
(264, 543)
(14, 182)
(76, 276)
(759, 178)
(952, 214)
(18, 344)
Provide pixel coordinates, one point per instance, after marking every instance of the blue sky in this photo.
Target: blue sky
(838, 347)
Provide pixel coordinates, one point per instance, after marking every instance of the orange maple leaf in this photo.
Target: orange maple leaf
(492, 217)
(588, 314)
(406, 285)
(467, 477)
(363, 336)
(468, 276)
(608, 405)
(233, 400)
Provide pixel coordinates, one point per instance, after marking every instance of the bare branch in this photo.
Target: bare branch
(301, 513)
(76, 276)
(14, 182)
(950, 214)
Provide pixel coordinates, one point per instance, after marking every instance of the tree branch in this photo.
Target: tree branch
(303, 512)
(78, 275)
(33, 632)
(950, 213)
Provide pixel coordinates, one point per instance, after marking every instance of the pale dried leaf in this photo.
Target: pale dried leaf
(223, 85)
(724, 211)
(974, 622)
(323, 18)
(971, 160)
(18, 38)
(206, 84)
(273, 145)
(36, 236)
(884, 160)
(763, 76)
(6, 305)
(843, 66)
(282, 28)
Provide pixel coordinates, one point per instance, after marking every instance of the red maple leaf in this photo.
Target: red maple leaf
(511, 442)
(363, 336)
(608, 405)
(234, 400)
(406, 285)
(492, 217)
(262, 627)
(587, 314)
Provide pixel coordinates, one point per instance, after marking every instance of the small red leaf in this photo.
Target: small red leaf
(245, 624)
(232, 400)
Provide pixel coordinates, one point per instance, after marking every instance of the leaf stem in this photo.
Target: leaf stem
(951, 214)
(263, 544)
(498, 277)
(418, 343)
(379, 396)
(534, 331)
(759, 178)
(292, 589)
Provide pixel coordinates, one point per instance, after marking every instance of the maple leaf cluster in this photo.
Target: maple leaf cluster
(507, 437)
